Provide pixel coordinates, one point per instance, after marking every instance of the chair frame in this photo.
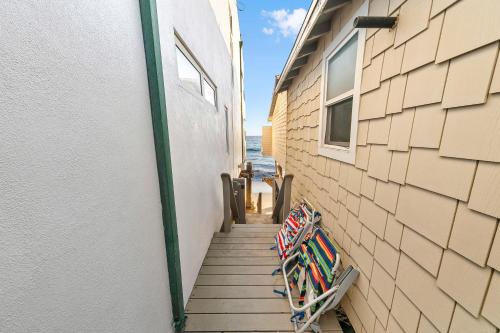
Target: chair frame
(339, 287)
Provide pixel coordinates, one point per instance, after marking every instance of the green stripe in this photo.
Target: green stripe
(151, 38)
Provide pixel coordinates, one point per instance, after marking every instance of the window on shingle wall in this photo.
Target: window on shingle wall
(340, 93)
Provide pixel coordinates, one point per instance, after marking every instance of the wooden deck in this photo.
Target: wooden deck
(234, 290)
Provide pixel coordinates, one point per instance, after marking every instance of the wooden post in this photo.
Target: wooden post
(259, 203)
(249, 176)
(287, 187)
(229, 203)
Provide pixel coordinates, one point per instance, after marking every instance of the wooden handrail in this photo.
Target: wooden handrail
(282, 205)
(230, 207)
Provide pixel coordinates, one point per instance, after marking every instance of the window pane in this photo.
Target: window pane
(187, 72)
(338, 123)
(341, 69)
(208, 92)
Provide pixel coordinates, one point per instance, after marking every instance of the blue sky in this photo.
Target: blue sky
(269, 28)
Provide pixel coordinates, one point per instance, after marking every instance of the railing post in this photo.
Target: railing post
(249, 174)
(259, 203)
(287, 187)
(226, 195)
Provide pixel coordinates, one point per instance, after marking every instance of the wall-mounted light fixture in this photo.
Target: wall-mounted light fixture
(387, 22)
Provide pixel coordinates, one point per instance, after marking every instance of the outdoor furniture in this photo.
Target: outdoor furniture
(316, 272)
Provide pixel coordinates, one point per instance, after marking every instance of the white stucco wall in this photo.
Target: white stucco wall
(197, 129)
(81, 237)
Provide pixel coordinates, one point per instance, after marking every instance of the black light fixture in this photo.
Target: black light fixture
(387, 22)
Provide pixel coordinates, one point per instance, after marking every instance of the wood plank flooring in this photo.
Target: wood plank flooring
(234, 290)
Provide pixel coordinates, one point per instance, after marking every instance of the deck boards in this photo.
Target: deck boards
(234, 290)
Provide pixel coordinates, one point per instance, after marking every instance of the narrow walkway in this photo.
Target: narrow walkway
(234, 291)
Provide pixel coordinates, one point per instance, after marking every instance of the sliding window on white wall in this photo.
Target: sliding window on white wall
(340, 93)
(192, 76)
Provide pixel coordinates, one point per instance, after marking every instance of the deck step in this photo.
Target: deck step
(235, 292)
(239, 280)
(241, 261)
(237, 306)
(244, 240)
(244, 234)
(258, 246)
(236, 270)
(241, 253)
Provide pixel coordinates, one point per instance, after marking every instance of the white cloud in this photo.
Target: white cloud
(287, 22)
(268, 31)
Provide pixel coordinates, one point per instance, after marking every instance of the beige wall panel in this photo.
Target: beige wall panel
(399, 166)
(469, 77)
(425, 85)
(383, 39)
(363, 258)
(378, 130)
(428, 126)
(368, 186)
(395, 4)
(422, 251)
(396, 94)
(393, 326)
(439, 5)
(363, 132)
(371, 75)
(383, 284)
(387, 257)
(473, 132)
(362, 157)
(379, 308)
(368, 239)
(367, 57)
(377, 8)
(354, 180)
(373, 104)
(353, 203)
(386, 195)
(449, 176)
(393, 232)
(405, 313)
(380, 162)
(429, 214)
(267, 140)
(494, 259)
(393, 59)
(485, 195)
(413, 18)
(464, 322)
(362, 309)
(425, 326)
(353, 227)
(399, 137)
(372, 216)
(421, 288)
(422, 49)
(457, 272)
(492, 301)
(472, 234)
(468, 26)
(495, 83)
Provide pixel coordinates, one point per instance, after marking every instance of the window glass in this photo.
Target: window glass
(188, 72)
(338, 123)
(208, 92)
(341, 69)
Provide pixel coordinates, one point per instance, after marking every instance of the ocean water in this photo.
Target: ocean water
(262, 166)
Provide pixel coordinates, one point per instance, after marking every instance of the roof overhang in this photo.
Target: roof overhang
(318, 22)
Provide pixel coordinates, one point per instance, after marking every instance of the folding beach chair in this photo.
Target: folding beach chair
(297, 226)
(321, 285)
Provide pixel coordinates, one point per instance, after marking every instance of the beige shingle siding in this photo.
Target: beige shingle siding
(418, 212)
(279, 124)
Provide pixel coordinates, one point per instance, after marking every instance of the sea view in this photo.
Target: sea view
(262, 166)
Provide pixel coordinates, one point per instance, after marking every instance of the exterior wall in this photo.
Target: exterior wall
(418, 212)
(82, 246)
(267, 140)
(197, 129)
(279, 125)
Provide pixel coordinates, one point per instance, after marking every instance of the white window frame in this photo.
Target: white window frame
(203, 75)
(341, 153)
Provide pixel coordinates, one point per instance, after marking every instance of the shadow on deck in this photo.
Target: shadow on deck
(234, 289)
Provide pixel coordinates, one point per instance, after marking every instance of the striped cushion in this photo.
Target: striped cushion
(295, 221)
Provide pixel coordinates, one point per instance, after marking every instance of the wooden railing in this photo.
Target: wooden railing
(282, 189)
